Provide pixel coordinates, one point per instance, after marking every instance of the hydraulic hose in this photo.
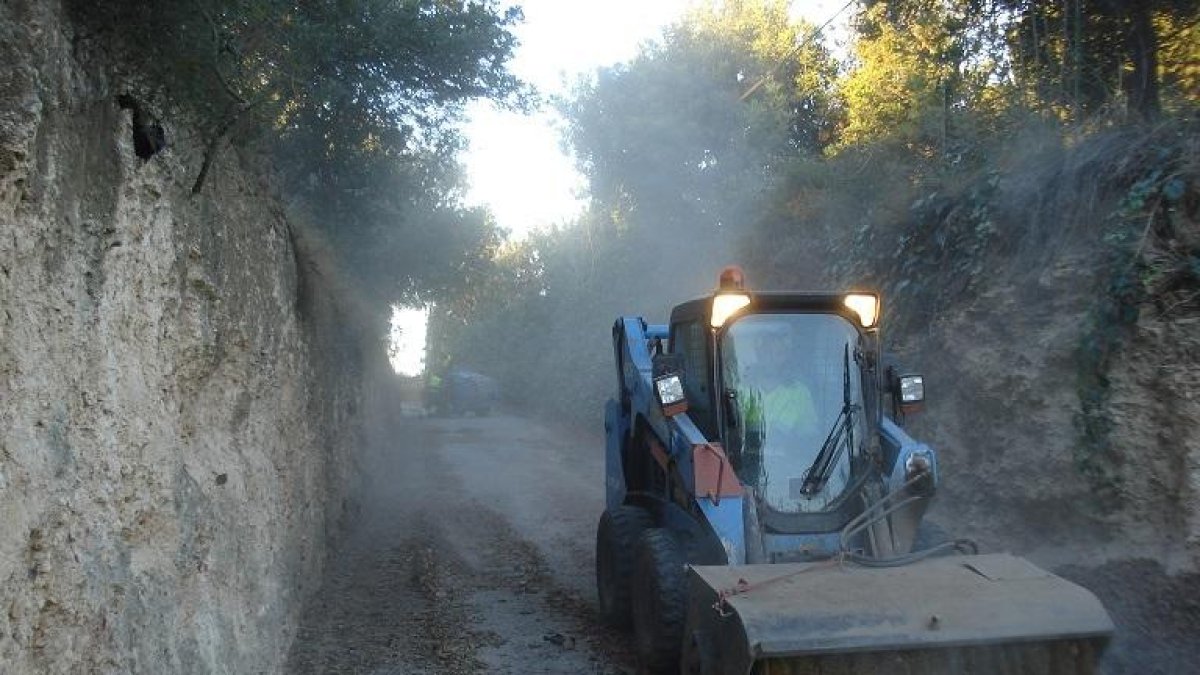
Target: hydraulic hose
(880, 510)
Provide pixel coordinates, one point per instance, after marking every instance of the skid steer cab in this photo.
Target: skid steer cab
(763, 503)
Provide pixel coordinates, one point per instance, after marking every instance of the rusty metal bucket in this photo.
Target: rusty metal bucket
(959, 614)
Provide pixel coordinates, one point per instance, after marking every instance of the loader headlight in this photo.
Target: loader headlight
(725, 305)
(866, 306)
(669, 389)
(912, 389)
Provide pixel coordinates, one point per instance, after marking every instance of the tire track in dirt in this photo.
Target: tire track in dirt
(459, 595)
(385, 607)
(543, 626)
(434, 581)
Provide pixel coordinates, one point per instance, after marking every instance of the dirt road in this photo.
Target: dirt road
(473, 555)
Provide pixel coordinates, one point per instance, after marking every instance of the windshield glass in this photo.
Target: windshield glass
(785, 375)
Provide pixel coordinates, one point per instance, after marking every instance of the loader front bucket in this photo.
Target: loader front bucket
(994, 614)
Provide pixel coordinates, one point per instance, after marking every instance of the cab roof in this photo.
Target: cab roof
(771, 301)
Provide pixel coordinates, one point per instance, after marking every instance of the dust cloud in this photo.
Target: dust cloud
(470, 552)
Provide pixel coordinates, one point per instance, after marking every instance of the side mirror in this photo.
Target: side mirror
(668, 384)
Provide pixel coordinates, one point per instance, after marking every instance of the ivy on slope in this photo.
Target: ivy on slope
(1153, 262)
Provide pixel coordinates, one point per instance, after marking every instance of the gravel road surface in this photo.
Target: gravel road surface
(473, 555)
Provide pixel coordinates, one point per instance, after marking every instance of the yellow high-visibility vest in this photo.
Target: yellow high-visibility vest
(788, 407)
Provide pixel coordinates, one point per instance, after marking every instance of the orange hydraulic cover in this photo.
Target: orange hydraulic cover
(713, 473)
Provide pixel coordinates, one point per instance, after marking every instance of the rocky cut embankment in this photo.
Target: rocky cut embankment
(179, 390)
(1058, 336)
(1051, 299)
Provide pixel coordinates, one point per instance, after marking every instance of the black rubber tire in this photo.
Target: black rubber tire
(616, 543)
(698, 657)
(659, 601)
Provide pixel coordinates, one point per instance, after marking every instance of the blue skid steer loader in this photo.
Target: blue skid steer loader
(763, 505)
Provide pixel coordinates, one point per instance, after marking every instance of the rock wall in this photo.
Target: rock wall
(1154, 406)
(1002, 410)
(1014, 368)
(179, 388)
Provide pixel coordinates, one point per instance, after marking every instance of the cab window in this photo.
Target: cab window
(690, 340)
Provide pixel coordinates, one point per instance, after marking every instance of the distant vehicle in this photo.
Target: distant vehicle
(463, 391)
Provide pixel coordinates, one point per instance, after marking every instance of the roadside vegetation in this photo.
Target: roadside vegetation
(353, 105)
(1019, 179)
(741, 136)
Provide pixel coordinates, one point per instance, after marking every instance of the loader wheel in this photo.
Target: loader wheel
(616, 542)
(699, 656)
(659, 601)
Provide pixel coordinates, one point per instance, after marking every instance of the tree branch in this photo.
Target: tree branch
(210, 151)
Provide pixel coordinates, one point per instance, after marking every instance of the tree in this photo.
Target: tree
(353, 101)
(669, 147)
(678, 164)
(920, 66)
(1081, 53)
(1179, 59)
(924, 67)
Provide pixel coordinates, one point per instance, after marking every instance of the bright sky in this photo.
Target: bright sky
(515, 163)
(408, 340)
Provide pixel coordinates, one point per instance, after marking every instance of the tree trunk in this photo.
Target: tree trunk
(1141, 86)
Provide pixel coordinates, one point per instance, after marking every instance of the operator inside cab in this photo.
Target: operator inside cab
(763, 370)
(788, 378)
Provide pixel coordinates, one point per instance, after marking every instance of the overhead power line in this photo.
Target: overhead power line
(795, 50)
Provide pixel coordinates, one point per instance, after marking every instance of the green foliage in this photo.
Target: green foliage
(933, 162)
(336, 81)
(677, 166)
(1107, 328)
(1179, 61)
(353, 101)
(1152, 246)
(538, 321)
(934, 75)
(912, 69)
(1078, 57)
(666, 143)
